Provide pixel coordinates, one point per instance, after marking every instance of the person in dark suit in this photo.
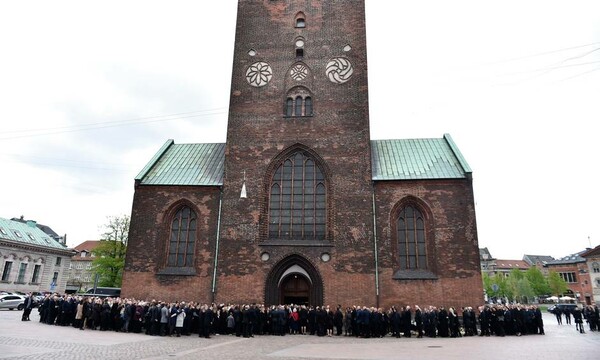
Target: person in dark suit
(406, 321)
(29, 301)
(419, 321)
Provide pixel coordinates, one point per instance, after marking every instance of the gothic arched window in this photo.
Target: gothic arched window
(182, 238)
(412, 249)
(297, 200)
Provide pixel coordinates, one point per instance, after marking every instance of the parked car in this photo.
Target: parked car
(562, 307)
(104, 292)
(11, 302)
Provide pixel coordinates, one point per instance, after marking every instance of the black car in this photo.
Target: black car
(562, 307)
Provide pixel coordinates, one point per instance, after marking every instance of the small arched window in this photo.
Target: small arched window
(298, 110)
(308, 111)
(182, 238)
(289, 107)
(300, 20)
(596, 267)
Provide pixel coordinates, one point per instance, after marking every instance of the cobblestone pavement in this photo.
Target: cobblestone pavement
(32, 340)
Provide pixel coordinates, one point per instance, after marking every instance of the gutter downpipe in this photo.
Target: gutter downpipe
(375, 250)
(214, 280)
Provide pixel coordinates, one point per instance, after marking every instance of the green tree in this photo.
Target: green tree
(558, 285)
(538, 282)
(110, 254)
(501, 285)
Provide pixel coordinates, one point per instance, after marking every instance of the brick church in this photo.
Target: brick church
(300, 205)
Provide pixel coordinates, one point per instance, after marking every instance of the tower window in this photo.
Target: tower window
(308, 106)
(300, 20)
(299, 53)
(297, 201)
(289, 107)
(298, 107)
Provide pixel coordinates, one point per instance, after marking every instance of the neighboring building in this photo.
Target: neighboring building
(539, 261)
(81, 276)
(574, 270)
(488, 262)
(504, 267)
(300, 205)
(592, 257)
(30, 259)
(46, 229)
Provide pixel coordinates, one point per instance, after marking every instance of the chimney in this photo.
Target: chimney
(31, 223)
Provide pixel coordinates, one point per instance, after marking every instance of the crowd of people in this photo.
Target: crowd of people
(189, 318)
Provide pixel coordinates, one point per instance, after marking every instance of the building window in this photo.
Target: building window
(31, 236)
(300, 20)
(35, 278)
(289, 107)
(6, 270)
(298, 106)
(22, 269)
(410, 227)
(308, 106)
(83, 254)
(18, 234)
(568, 277)
(3, 231)
(88, 266)
(183, 238)
(298, 103)
(596, 267)
(58, 261)
(54, 278)
(297, 202)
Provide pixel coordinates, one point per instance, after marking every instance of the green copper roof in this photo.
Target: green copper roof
(185, 164)
(406, 159)
(27, 233)
(410, 159)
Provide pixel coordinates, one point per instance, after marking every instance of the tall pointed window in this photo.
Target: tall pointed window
(297, 203)
(412, 253)
(183, 238)
(289, 107)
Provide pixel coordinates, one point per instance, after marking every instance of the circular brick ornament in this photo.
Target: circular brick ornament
(259, 74)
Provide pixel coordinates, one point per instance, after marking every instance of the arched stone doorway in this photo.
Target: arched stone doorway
(294, 280)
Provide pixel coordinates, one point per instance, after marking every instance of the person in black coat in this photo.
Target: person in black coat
(207, 321)
(406, 321)
(419, 321)
(395, 322)
(338, 320)
(443, 326)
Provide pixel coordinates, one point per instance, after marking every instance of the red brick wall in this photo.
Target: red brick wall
(453, 252)
(149, 235)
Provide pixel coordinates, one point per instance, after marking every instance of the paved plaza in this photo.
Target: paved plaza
(32, 340)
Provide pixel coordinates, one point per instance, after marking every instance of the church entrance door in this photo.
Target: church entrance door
(294, 280)
(295, 289)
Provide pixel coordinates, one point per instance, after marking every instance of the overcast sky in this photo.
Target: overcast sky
(91, 90)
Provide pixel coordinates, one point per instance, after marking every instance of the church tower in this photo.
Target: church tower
(298, 142)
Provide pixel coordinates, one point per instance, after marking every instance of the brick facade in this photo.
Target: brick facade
(252, 267)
